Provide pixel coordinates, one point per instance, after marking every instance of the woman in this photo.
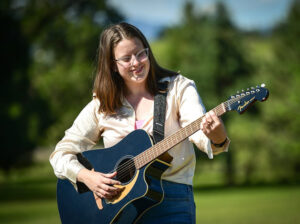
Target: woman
(123, 100)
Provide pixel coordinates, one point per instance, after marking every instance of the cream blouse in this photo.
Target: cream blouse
(184, 105)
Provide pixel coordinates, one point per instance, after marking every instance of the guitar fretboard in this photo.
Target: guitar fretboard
(158, 149)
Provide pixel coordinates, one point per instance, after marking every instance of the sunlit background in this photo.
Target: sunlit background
(48, 61)
(153, 16)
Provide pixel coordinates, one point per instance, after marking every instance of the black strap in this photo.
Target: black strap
(82, 188)
(160, 112)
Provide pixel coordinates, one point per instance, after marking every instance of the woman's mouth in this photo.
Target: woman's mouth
(138, 70)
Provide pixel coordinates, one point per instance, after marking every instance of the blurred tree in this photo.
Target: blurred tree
(47, 56)
(21, 107)
(284, 120)
(207, 49)
(231, 67)
(272, 152)
(64, 54)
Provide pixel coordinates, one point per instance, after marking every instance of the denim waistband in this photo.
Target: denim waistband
(178, 188)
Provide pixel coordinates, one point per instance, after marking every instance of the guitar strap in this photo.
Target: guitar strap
(160, 112)
(158, 127)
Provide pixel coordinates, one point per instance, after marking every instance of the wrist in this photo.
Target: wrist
(82, 175)
(219, 145)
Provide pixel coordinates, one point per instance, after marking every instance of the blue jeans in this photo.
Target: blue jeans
(178, 206)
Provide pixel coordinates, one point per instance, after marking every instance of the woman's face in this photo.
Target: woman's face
(132, 61)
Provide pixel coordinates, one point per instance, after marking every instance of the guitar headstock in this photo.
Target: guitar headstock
(242, 100)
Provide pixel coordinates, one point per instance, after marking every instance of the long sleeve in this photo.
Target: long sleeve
(82, 136)
(190, 109)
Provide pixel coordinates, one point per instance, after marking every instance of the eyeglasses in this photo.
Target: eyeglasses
(127, 61)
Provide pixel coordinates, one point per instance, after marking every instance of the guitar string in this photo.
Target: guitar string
(151, 152)
(131, 164)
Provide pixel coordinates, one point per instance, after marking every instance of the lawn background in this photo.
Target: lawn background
(28, 196)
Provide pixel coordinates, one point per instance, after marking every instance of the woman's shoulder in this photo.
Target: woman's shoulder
(179, 81)
(92, 105)
(178, 78)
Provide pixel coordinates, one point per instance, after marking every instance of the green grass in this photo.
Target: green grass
(28, 196)
(276, 205)
(29, 211)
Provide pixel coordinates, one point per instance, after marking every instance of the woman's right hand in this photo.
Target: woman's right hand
(99, 183)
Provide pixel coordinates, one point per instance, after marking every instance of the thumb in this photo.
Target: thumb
(110, 175)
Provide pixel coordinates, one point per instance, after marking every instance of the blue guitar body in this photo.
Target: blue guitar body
(142, 187)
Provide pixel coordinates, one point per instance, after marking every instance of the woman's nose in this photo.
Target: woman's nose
(134, 60)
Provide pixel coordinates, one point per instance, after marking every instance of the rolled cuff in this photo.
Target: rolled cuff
(73, 170)
(224, 148)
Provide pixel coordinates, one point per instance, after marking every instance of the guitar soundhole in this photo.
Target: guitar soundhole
(125, 170)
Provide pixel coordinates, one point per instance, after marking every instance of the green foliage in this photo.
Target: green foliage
(47, 51)
(221, 60)
(283, 120)
(48, 62)
(272, 152)
(21, 106)
(207, 49)
(65, 57)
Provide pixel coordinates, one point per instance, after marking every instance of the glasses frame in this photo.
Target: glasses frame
(129, 63)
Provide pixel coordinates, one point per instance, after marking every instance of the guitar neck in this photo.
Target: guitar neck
(169, 142)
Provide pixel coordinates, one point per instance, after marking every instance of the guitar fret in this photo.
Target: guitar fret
(172, 140)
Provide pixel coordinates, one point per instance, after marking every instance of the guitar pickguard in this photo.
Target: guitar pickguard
(125, 190)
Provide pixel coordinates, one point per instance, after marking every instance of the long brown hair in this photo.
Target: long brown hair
(109, 86)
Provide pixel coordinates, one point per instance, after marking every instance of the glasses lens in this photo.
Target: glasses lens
(142, 55)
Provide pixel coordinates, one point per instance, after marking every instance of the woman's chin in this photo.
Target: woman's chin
(138, 77)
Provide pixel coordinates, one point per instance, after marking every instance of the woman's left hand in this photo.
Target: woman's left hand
(213, 127)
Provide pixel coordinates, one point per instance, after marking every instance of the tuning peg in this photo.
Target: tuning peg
(262, 85)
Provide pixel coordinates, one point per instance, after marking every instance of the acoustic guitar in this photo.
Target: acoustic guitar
(139, 165)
